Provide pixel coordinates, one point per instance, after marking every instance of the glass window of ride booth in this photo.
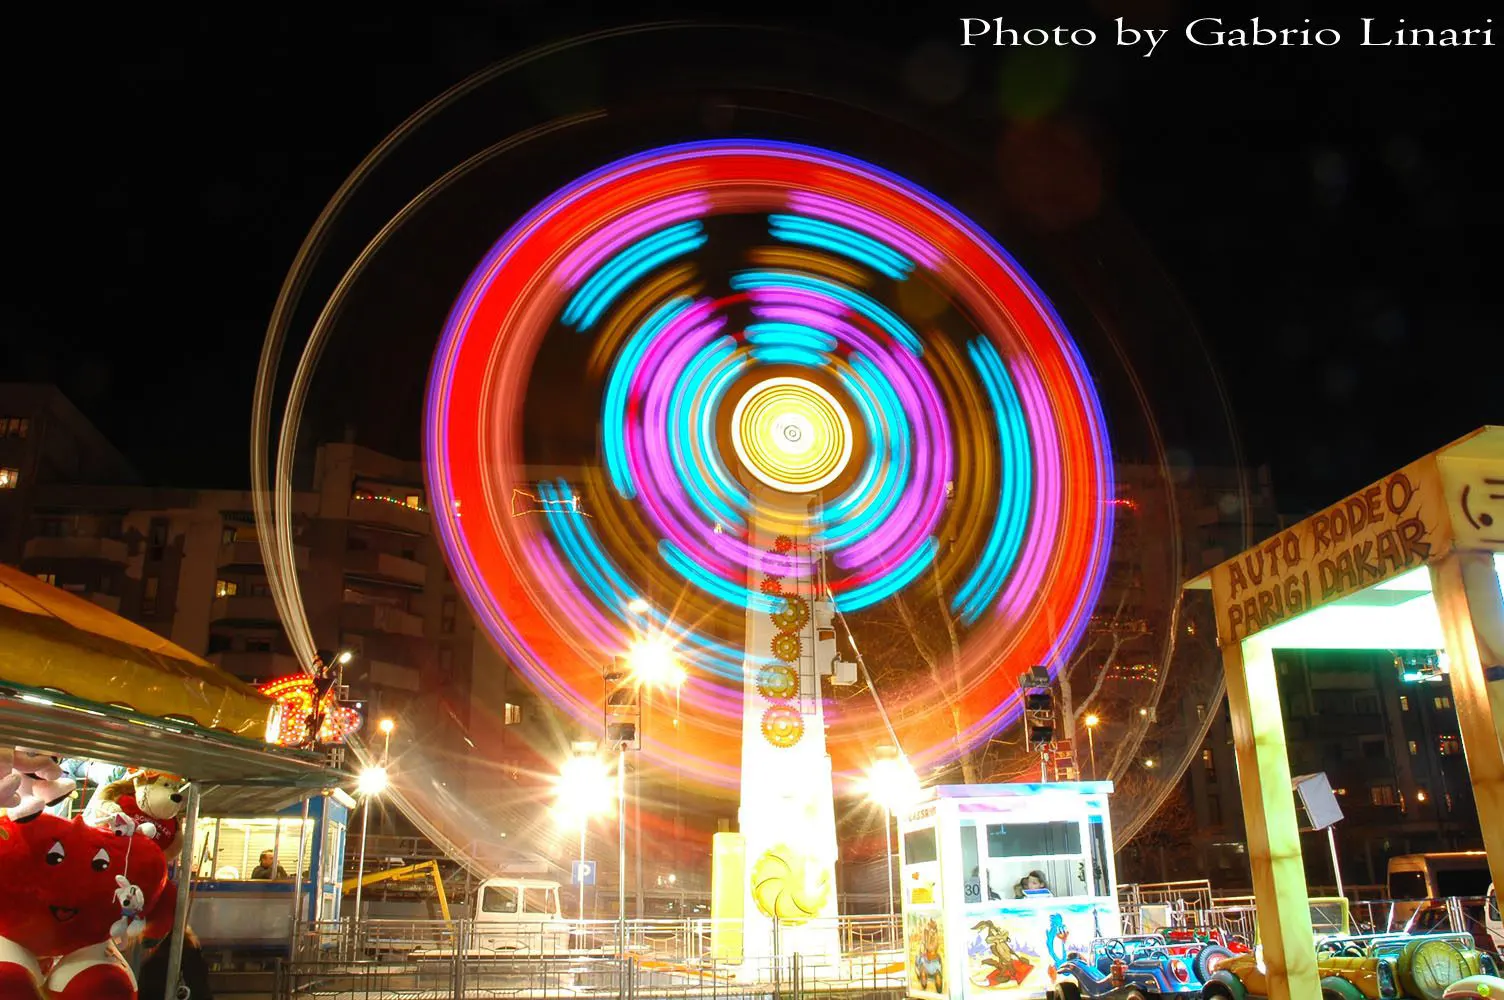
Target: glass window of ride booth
(230, 849)
(998, 860)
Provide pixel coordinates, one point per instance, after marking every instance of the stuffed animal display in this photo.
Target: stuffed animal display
(151, 800)
(34, 781)
(71, 889)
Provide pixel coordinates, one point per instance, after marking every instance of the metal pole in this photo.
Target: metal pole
(360, 871)
(297, 875)
(185, 885)
(621, 865)
(1331, 839)
(584, 824)
(888, 861)
(1091, 741)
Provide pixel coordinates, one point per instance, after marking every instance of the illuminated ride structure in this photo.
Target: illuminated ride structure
(818, 387)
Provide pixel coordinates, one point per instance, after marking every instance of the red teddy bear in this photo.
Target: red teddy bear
(72, 889)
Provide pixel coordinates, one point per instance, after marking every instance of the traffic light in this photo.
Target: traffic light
(1039, 709)
(623, 703)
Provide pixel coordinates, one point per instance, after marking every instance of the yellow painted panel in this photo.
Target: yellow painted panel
(728, 896)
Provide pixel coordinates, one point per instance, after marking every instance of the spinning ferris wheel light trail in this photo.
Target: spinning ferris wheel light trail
(780, 440)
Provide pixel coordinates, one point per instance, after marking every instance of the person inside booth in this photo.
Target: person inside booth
(268, 868)
(1032, 884)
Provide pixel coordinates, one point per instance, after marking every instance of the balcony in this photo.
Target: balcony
(380, 618)
(390, 515)
(258, 666)
(248, 609)
(385, 566)
(108, 550)
(249, 554)
(392, 675)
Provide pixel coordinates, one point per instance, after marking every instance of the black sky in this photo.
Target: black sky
(1330, 217)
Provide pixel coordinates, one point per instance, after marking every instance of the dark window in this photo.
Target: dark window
(227, 536)
(1028, 840)
(219, 643)
(1407, 885)
(446, 616)
(1373, 749)
(1462, 882)
(258, 645)
(156, 539)
(499, 899)
(919, 846)
(149, 596)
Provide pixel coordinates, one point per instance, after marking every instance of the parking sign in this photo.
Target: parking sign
(582, 873)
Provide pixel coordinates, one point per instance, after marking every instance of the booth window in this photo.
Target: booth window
(1033, 840)
(230, 849)
(1050, 853)
(499, 899)
(919, 846)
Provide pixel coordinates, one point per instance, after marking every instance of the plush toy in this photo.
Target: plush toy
(34, 781)
(71, 887)
(88, 775)
(150, 799)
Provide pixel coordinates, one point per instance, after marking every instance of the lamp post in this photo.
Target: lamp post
(584, 790)
(372, 782)
(1092, 721)
(891, 784)
(385, 727)
(653, 664)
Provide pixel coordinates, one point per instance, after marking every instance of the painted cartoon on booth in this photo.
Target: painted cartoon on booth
(926, 955)
(997, 957)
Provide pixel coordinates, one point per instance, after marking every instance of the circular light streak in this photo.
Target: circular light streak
(791, 435)
(792, 358)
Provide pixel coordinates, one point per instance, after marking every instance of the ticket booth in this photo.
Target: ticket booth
(1000, 882)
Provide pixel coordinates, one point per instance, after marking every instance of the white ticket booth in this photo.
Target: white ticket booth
(1001, 882)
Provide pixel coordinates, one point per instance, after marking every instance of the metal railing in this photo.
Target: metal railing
(363, 960)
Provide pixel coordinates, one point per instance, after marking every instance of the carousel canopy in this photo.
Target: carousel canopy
(78, 681)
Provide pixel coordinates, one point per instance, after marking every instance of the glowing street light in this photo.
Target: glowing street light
(344, 657)
(892, 784)
(583, 789)
(639, 606)
(1092, 721)
(1149, 762)
(371, 782)
(386, 726)
(652, 662)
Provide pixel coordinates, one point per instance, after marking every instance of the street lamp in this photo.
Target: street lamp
(344, 657)
(385, 727)
(653, 663)
(371, 782)
(892, 784)
(1092, 721)
(583, 790)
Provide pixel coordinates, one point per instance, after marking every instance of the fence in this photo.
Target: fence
(364, 960)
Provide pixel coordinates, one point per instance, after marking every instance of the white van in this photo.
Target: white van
(1415, 878)
(520, 915)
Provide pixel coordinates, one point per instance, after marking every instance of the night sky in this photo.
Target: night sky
(1327, 218)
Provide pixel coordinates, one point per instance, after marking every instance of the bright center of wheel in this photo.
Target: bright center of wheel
(791, 435)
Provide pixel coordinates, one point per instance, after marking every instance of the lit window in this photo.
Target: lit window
(1449, 746)
(1382, 795)
(9, 478)
(15, 427)
(1339, 791)
(224, 588)
(1442, 701)
(415, 502)
(1414, 748)
(48, 578)
(1404, 703)
(512, 714)
(149, 596)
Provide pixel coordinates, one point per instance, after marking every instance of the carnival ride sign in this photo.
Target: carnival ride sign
(1377, 533)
